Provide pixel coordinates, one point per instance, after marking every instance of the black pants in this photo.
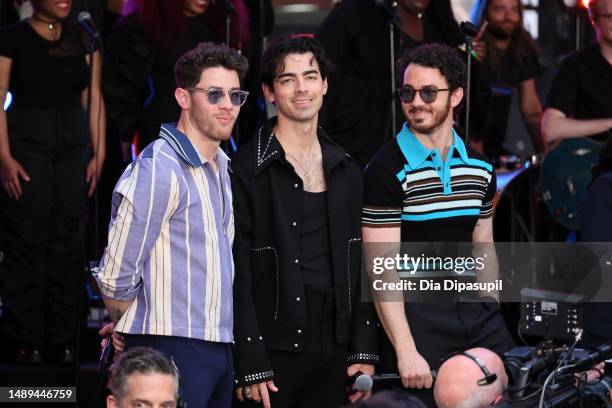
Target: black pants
(315, 377)
(41, 233)
(442, 328)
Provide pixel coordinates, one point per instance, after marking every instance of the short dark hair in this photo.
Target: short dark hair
(142, 360)
(273, 59)
(440, 56)
(189, 67)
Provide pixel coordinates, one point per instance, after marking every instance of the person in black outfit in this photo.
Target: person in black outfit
(597, 227)
(510, 58)
(44, 166)
(355, 35)
(300, 327)
(578, 102)
(138, 71)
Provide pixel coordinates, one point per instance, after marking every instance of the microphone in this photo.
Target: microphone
(107, 354)
(468, 29)
(227, 5)
(88, 25)
(364, 382)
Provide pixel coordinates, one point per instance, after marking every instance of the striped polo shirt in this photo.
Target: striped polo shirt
(408, 185)
(170, 243)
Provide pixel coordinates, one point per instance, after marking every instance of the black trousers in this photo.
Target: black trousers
(315, 377)
(41, 233)
(441, 328)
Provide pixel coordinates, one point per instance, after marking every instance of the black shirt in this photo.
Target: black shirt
(45, 74)
(433, 201)
(506, 78)
(314, 243)
(597, 227)
(582, 86)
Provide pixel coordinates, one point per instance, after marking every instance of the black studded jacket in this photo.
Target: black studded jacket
(268, 288)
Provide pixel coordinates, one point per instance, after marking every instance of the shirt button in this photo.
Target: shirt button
(296, 345)
(438, 168)
(294, 223)
(249, 339)
(296, 185)
(433, 154)
(297, 261)
(299, 331)
(298, 299)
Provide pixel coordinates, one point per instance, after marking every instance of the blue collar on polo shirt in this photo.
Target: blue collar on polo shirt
(416, 155)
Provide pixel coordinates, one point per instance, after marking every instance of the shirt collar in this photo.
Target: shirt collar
(268, 149)
(415, 153)
(186, 150)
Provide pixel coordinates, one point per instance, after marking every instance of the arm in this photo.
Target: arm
(531, 109)
(412, 367)
(10, 169)
(147, 194)
(97, 125)
(557, 126)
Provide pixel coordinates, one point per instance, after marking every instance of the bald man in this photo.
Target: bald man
(475, 378)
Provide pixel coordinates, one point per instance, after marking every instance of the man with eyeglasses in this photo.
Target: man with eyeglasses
(427, 186)
(474, 378)
(301, 328)
(578, 102)
(167, 272)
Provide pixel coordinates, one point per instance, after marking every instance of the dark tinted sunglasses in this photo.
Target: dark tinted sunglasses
(215, 95)
(428, 94)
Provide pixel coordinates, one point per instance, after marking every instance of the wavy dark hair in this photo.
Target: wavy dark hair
(188, 69)
(522, 45)
(432, 55)
(273, 58)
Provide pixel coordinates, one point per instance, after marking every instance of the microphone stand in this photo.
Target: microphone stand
(470, 31)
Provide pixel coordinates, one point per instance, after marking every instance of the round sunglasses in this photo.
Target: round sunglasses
(428, 94)
(215, 95)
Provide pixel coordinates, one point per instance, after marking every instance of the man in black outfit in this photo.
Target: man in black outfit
(300, 328)
(578, 102)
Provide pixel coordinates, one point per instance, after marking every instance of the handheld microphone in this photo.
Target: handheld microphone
(107, 354)
(364, 382)
(88, 25)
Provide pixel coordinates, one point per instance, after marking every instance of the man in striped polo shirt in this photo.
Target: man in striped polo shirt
(167, 273)
(426, 186)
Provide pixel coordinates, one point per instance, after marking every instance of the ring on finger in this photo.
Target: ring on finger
(247, 392)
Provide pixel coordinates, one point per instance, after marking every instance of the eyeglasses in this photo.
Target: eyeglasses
(606, 16)
(428, 94)
(215, 95)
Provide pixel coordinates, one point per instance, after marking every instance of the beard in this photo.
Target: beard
(209, 127)
(438, 118)
(500, 33)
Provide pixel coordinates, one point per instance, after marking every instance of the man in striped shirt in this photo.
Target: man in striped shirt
(427, 186)
(167, 273)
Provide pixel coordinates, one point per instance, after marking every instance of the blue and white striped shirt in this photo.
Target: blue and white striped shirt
(170, 243)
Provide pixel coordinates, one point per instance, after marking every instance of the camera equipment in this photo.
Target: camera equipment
(558, 372)
(552, 315)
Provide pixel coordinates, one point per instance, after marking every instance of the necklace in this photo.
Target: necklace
(50, 23)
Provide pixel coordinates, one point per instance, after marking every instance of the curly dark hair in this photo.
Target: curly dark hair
(440, 56)
(273, 58)
(189, 67)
